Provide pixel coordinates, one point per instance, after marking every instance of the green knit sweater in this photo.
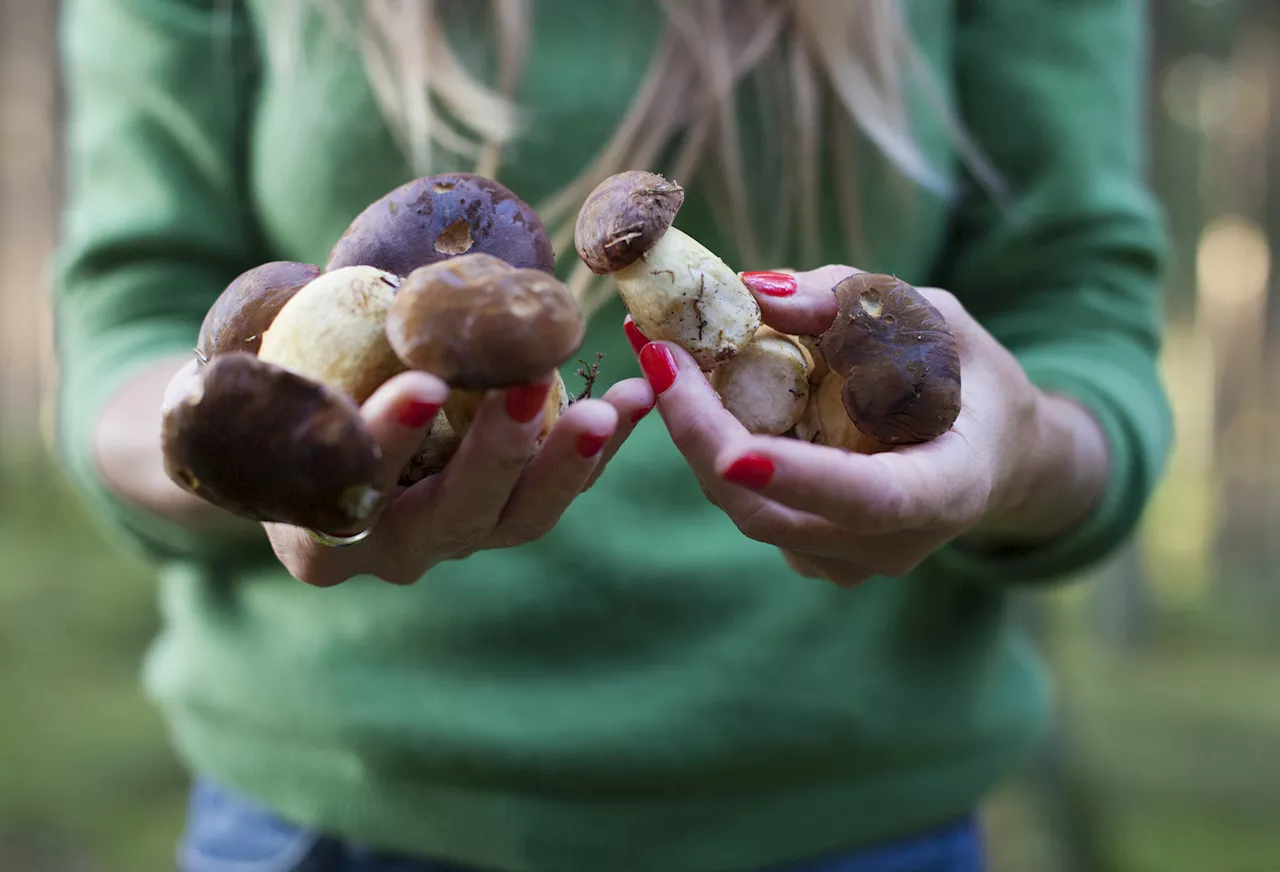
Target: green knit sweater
(643, 690)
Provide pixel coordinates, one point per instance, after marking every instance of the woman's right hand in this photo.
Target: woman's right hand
(494, 493)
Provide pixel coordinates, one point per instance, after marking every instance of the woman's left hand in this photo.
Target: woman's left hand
(1019, 465)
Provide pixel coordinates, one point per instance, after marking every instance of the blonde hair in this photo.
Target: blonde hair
(814, 56)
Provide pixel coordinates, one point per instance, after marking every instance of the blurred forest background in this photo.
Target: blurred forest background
(1166, 752)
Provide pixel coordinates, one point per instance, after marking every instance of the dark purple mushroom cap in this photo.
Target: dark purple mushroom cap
(898, 359)
(434, 218)
(246, 308)
(272, 446)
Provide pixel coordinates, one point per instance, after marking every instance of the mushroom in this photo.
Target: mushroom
(674, 288)
(246, 308)
(272, 445)
(435, 218)
(894, 369)
(766, 386)
(478, 323)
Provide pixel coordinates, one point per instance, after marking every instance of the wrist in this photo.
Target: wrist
(1058, 478)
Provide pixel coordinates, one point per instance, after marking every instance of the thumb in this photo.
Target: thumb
(797, 302)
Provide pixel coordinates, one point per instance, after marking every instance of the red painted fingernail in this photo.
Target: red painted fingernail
(589, 444)
(418, 413)
(525, 402)
(638, 415)
(637, 339)
(659, 366)
(750, 470)
(771, 284)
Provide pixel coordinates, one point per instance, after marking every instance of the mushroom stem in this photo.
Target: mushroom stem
(766, 386)
(462, 406)
(682, 292)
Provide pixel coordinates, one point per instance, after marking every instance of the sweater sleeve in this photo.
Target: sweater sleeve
(1068, 274)
(157, 220)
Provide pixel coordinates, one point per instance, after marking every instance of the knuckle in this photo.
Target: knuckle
(755, 524)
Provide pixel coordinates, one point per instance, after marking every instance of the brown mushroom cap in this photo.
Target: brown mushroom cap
(478, 323)
(898, 359)
(434, 218)
(272, 446)
(246, 308)
(623, 218)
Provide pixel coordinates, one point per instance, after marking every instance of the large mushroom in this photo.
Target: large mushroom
(891, 372)
(449, 274)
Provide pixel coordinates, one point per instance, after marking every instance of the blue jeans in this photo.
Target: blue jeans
(228, 833)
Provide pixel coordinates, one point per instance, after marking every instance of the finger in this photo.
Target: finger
(399, 415)
(839, 572)
(702, 430)
(926, 486)
(797, 303)
(468, 497)
(633, 400)
(559, 472)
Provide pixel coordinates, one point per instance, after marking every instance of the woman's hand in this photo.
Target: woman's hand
(1018, 466)
(491, 494)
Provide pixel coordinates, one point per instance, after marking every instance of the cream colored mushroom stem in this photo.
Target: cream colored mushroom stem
(680, 291)
(766, 386)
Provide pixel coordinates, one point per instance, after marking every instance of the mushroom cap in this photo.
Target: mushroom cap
(437, 217)
(623, 218)
(273, 446)
(248, 306)
(898, 359)
(478, 323)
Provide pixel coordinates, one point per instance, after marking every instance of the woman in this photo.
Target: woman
(664, 644)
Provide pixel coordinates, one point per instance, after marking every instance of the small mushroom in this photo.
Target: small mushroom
(270, 445)
(334, 331)
(674, 288)
(895, 361)
(478, 323)
(435, 218)
(246, 308)
(766, 385)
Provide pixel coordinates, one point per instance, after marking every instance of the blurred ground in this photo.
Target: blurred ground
(1167, 751)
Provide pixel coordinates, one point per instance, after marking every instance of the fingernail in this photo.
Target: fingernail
(589, 444)
(750, 470)
(659, 366)
(526, 401)
(771, 284)
(418, 413)
(638, 415)
(637, 339)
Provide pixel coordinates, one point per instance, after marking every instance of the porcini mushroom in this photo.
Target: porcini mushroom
(478, 323)
(225, 436)
(893, 366)
(674, 287)
(435, 218)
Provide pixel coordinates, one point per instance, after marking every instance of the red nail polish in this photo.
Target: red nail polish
(750, 470)
(418, 413)
(659, 366)
(637, 339)
(526, 401)
(589, 444)
(771, 284)
(638, 415)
